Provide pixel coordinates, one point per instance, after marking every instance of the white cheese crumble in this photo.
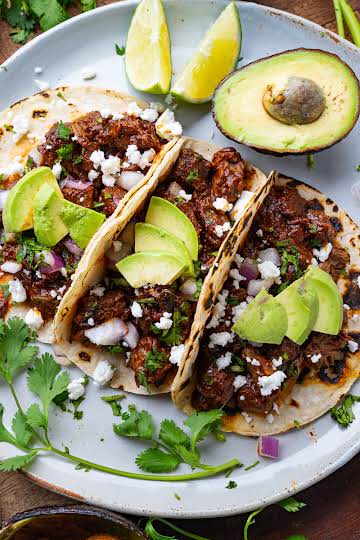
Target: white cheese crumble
(276, 408)
(315, 358)
(165, 322)
(76, 389)
(252, 361)
(176, 354)
(314, 262)
(150, 115)
(97, 157)
(221, 339)
(269, 418)
(136, 310)
(323, 253)
(248, 418)
(87, 73)
(358, 281)
(259, 233)
(221, 229)
(346, 307)
(118, 116)
(98, 291)
(11, 267)
(17, 291)
(147, 158)
(91, 321)
(133, 109)
(132, 154)
(13, 168)
(110, 167)
(224, 361)
(241, 204)
(186, 196)
(271, 383)
(56, 169)
(239, 381)
(107, 333)
(222, 204)
(92, 175)
(268, 270)
(219, 309)
(20, 126)
(238, 260)
(235, 274)
(103, 373)
(105, 113)
(34, 319)
(353, 346)
(53, 293)
(42, 85)
(167, 127)
(237, 311)
(38, 70)
(276, 362)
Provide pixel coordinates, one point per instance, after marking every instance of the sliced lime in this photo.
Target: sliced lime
(215, 58)
(147, 54)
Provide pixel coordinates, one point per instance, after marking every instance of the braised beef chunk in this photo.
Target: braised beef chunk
(214, 388)
(228, 177)
(150, 361)
(191, 170)
(250, 399)
(111, 196)
(82, 197)
(331, 349)
(209, 218)
(320, 226)
(4, 304)
(257, 364)
(10, 251)
(101, 309)
(42, 292)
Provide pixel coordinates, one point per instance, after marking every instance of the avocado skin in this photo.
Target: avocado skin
(274, 152)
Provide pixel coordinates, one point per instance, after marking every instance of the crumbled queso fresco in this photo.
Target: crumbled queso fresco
(103, 373)
(34, 319)
(269, 384)
(176, 354)
(165, 321)
(76, 389)
(323, 253)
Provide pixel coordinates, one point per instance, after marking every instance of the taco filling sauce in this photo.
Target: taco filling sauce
(288, 235)
(150, 323)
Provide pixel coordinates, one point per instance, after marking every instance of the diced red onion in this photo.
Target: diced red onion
(35, 155)
(132, 336)
(355, 190)
(189, 288)
(53, 263)
(175, 188)
(249, 269)
(3, 196)
(72, 246)
(268, 447)
(270, 255)
(255, 286)
(116, 256)
(74, 184)
(129, 179)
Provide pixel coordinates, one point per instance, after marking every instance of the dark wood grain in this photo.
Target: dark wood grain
(333, 505)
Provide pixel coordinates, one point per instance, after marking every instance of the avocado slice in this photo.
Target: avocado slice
(166, 215)
(264, 320)
(331, 310)
(18, 209)
(81, 222)
(151, 267)
(48, 226)
(295, 102)
(151, 238)
(302, 307)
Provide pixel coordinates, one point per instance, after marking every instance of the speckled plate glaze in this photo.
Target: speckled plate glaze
(307, 455)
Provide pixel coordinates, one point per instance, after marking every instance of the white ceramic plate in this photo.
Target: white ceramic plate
(307, 455)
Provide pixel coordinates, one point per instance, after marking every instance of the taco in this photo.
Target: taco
(69, 159)
(281, 347)
(139, 294)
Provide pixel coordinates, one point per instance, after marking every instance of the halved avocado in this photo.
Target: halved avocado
(295, 102)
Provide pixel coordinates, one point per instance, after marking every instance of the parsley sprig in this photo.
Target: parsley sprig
(30, 429)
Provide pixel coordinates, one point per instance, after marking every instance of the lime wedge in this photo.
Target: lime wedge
(147, 54)
(215, 58)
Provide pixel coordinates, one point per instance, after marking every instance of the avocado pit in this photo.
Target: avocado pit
(298, 101)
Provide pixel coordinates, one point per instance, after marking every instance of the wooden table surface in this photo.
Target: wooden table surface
(333, 505)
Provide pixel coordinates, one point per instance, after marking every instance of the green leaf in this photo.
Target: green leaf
(343, 413)
(137, 424)
(5, 435)
(202, 423)
(87, 5)
(20, 36)
(155, 460)
(15, 352)
(17, 15)
(16, 463)
(231, 485)
(49, 12)
(191, 457)
(21, 429)
(35, 417)
(250, 521)
(44, 380)
(172, 435)
(291, 504)
(296, 537)
(63, 132)
(119, 50)
(153, 534)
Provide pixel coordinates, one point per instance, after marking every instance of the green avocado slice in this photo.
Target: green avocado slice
(264, 320)
(81, 222)
(331, 308)
(18, 209)
(151, 238)
(166, 215)
(48, 226)
(151, 267)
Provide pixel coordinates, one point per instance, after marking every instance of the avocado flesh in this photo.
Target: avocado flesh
(18, 209)
(331, 311)
(81, 222)
(302, 307)
(151, 267)
(239, 112)
(166, 215)
(48, 226)
(151, 238)
(264, 320)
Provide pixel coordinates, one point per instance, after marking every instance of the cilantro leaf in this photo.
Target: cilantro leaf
(343, 413)
(291, 504)
(119, 50)
(137, 424)
(5, 435)
(231, 485)
(191, 457)
(15, 352)
(35, 417)
(65, 152)
(113, 401)
(63, 132)
(156, 461)
(20, 36)
(49, 12)
(87, 5)
(172, 435)
(21, 429)
(18, 462)
(202, 423)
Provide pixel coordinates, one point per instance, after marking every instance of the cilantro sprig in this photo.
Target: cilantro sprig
(30, 429)
(344, 413)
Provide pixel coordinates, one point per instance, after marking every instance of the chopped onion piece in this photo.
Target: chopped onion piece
(70, 182)
(189, 288)
(132, 336)
(255, 286)
(270, 255)
(129, 179)
(3, 196)
(268, 447)
(249, 269)
(175, 188)
(72, 246)
(52, 262)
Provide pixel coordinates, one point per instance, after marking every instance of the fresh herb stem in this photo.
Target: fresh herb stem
(179, 530)
(351, 20)
(339, 18)
(250, 521)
